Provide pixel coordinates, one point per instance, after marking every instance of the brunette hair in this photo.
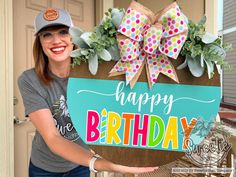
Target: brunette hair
(41, 62)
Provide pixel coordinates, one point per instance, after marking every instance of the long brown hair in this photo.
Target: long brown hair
(41, 62)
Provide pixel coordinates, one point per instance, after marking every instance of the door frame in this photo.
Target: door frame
(6, 76)
(6, 89)
(211, 11)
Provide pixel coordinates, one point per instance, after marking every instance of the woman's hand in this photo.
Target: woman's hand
(135, 170)
(105, 165)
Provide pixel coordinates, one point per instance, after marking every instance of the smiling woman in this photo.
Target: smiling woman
(54, 42)
(57, 149)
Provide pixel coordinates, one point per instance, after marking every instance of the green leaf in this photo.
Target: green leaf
(104, 54)
(210, 68)
(196, 50)
(195, 66)
(114, 52)
(227, 47)
(183, 65)
(79, 42)
(75, 31)
(87, 38)
(202, 60)
(93, 64)
(214, 52)
(84, 51)
(204, 45)
(114, 11)
(208, 38)
(203, 20)
(75, 53)
(117, 16)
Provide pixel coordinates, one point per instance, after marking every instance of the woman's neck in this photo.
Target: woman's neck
(61, 69)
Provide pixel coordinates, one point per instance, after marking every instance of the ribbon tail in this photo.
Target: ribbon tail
(136, 76)
(131, 69)
(167, 68)
(116, 70)
(152, 72)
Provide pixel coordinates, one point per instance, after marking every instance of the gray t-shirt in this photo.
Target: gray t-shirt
(37, 96)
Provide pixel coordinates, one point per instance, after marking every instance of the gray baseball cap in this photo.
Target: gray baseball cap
(52, 17)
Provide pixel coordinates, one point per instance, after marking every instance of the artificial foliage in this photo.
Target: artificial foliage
(202, 50)
(97, 45)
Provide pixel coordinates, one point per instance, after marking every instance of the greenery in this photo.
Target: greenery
(202, 50)
(100, 44)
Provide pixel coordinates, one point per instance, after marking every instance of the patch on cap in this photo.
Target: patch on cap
(51, 14)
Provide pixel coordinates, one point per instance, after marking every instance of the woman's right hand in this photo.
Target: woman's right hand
(105, 165)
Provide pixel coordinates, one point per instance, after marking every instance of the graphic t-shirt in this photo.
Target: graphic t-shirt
(38, 96)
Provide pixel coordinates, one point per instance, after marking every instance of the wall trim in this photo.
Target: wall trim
(6, 89)
(101, 6)
(211, 10)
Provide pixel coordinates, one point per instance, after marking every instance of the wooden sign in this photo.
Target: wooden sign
(139, 126)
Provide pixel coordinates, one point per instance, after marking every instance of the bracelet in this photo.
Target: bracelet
(92, 161)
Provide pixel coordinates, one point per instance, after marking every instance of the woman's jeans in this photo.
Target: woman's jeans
(80, 171)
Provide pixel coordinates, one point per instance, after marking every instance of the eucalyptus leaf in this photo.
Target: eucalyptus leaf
(114, 52)
(210, 68)
(84, 52)
(227, 47)
(183, 65)
(75, 53)
(79, 42)
(196, 50)
(117, 16)
(202, 60)
(114, 11)
(93, 64)
(208, 48)
(195, 66)
(75, 31)
(104, 54)
(208, 38)
(213, 52)
(203, 20)
(87, 38)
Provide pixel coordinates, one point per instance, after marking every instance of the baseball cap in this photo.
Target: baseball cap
(52, 17)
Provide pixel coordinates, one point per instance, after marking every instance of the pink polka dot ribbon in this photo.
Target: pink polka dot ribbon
(148, 39)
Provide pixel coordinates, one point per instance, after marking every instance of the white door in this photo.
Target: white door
(82, 12)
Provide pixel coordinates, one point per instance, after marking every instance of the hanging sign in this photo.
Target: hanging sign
(109, 113)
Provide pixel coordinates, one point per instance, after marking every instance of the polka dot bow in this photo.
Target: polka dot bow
(149, 39)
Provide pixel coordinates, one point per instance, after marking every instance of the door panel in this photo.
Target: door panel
(82, 12)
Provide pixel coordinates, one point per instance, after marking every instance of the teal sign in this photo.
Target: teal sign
(109, 113)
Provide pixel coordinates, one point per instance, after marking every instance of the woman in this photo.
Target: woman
(57, 149)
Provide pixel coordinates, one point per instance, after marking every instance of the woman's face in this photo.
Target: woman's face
(56, 43)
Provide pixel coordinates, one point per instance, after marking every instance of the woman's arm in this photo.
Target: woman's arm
(44, 123)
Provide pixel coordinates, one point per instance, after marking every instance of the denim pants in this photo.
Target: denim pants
(80, 171)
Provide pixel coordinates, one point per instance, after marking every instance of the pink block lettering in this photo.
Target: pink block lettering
(93, 120)
(140, 131)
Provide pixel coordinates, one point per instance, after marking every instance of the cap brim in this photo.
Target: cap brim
(50, 25)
